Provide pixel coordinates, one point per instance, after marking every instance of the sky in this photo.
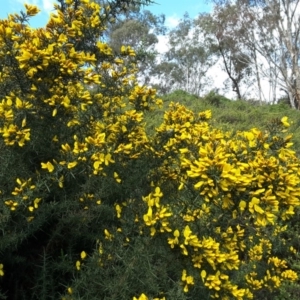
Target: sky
(15, 6)
(172, 9)
(175, 9)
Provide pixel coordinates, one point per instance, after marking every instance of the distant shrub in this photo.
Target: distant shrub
(215, 99)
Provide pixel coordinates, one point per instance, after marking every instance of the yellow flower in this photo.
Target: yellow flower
(253, 206)
(12, 204)
(1, 270)
(83, 255)
(148, 218)
(157, 193)
(288, 274)
(203, 275)
(152, 231)
(242, 205)
(108, 159)
(184, 250)
(61, 181)
(36, 202)
(117, 178)
(72, 164)
(48, 166)
(205, 115)
(31, 10)
(189, 280)
(108, 235)
(118, 210)
(174, 241)
(78, 265)
(213, 281)
(285, 122)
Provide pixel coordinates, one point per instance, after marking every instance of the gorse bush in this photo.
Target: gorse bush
(94, 207)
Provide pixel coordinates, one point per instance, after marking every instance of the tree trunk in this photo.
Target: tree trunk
(235, 82)
(257, 77)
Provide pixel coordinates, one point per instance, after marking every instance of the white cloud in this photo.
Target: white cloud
(172, 21)
(162, 45)
(48, 5)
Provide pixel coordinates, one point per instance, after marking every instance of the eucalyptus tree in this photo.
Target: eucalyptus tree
(279, 27)
(221, 30)
(272, 29)
(187, 61)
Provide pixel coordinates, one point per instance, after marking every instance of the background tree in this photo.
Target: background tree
(185, 64)
(278, 24)
(139, 29)
(271, 31)
(221, 33)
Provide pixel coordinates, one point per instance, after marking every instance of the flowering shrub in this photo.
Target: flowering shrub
(93, 207)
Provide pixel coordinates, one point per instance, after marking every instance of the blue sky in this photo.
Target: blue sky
(15, 6)
(173, 9)
(176, 8)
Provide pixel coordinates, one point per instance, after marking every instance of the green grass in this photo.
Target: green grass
(230, 115)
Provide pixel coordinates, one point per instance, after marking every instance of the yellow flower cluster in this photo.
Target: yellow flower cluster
(278, 271)
(79, 262)
(157, 214)
(57, 78)
(238, 182)
(187, 280)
